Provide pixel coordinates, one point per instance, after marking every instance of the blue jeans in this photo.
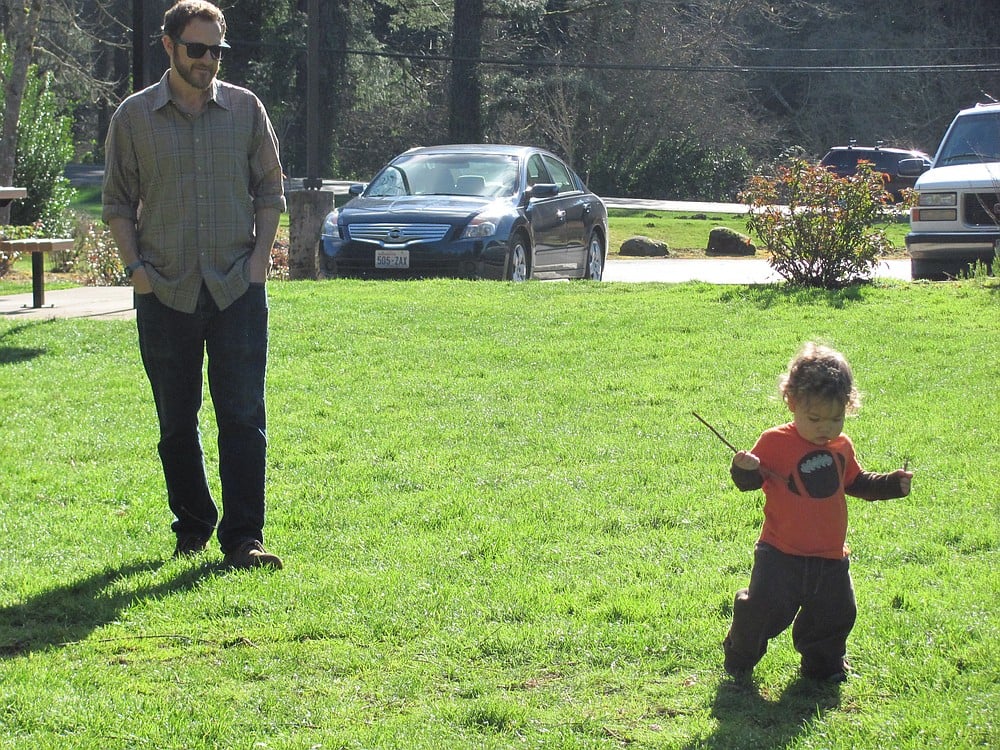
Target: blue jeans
(173, 345)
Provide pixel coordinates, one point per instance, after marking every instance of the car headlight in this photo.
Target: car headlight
(937, 199)
(330, 228)
(483, 224)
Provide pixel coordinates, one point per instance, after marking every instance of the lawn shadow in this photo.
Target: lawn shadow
(10, 355)
(746, 719)
(766, 296)
(70, 612)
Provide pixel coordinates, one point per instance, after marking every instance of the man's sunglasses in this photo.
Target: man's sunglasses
(197, 50)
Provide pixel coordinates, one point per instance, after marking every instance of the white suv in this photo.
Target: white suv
(956, 218)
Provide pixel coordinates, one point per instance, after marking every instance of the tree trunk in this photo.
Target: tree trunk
(465, 123)
(23, 30)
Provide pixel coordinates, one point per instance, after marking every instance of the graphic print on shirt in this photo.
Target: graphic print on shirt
(818, 475)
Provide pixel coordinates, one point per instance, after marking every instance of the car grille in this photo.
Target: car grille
(397, 234)
(981, 209)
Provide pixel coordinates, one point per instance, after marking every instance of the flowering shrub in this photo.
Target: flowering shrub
(820, 229)
(279, 261)
(95, 256)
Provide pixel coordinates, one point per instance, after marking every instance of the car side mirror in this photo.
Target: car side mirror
(356, 189)
(543, 190)
(912, 167)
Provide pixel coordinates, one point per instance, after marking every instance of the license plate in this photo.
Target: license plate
(392, 259)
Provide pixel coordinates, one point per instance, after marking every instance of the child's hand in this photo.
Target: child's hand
(746, 460)
(905, 480)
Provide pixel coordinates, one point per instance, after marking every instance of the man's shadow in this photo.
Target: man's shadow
(748, 720)
(70, 612)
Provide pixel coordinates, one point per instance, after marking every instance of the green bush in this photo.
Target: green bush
(44, 148)
(685, 169)
(820, 229)
(674, 169)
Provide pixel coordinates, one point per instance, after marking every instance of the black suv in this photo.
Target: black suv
(843, 161)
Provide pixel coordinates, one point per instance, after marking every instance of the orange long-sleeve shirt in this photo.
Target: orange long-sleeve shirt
(805, 487)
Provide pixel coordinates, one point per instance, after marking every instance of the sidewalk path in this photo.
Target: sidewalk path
(115, 302)
(98, 302)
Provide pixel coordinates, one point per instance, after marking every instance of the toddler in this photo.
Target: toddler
(801, 573)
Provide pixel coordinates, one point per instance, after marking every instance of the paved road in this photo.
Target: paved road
(702, 207)
(719, 270)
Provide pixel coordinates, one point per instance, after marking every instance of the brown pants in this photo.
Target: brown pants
(814, 593)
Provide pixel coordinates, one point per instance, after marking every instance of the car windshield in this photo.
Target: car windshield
(973, 139)
(488, 175)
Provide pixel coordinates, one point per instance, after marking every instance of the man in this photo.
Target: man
(192, 195)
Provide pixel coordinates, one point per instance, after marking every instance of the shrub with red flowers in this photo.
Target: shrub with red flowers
(821, 230)
(95, 254)
(279, 260)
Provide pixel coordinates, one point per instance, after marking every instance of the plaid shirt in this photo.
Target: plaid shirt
(193, 185)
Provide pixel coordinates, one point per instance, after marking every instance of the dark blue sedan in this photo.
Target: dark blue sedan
(470, 211)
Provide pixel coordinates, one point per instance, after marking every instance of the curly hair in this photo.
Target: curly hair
(176, 19)
(819, 372)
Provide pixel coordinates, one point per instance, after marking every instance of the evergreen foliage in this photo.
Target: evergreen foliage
(44, 148)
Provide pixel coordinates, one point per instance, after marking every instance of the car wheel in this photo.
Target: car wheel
(327, 266)
(595, 258)
(518, 258)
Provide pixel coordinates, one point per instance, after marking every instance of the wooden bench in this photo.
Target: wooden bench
(8, 194)
(37, 248)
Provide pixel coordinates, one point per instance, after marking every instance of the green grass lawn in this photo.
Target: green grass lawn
(87, 200)
(501, 525)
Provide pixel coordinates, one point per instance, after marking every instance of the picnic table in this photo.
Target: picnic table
(37, 248)
(7, 194)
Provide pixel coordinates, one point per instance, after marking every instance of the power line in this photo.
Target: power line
(679, 68)
(731, 68)
(879, 50)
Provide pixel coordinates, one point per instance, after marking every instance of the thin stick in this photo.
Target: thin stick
(715, 432)
(763, 469)
(906, 463)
